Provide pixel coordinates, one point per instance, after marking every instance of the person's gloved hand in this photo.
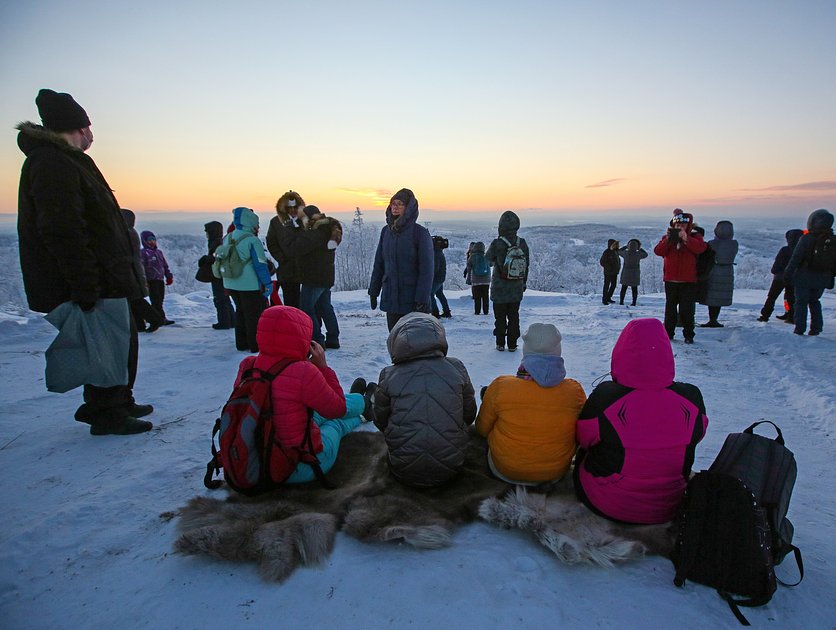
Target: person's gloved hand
(373, 301)
(266, 293)
(86, 305)
(421, 308)
(169, 280)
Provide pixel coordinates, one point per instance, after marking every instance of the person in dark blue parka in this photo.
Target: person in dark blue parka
(403, 263)
(809, 283)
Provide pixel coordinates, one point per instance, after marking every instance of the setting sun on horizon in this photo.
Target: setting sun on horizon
(617, 107)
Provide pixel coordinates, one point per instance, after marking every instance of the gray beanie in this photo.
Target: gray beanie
(542, 339)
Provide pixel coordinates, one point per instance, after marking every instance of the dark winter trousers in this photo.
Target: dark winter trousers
(480, 298)
(774, 291)
(249, 305)
(392, 319)
(609, 287)
(807, 297)
(291, 293)
(316, 302)
(680, 298)
(506, 323)
(223, 307)
(635, 291)
(143, 313)
(99, 399)
(156, 291)
(437, 291)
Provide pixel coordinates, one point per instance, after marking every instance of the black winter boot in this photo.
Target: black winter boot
(358, 386)
(368, 395)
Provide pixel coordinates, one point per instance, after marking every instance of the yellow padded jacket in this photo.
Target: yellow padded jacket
(530, 429)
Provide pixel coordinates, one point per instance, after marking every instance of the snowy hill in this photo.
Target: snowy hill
(84, 545)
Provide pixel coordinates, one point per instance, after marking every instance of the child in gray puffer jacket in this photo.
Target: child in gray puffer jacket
(423, 404)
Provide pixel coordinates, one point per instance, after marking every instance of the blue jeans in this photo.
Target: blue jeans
(807, 297)
(316, 302)
(437, 291)
(332, 431)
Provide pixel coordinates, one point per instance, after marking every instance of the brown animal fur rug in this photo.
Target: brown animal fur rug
(571, 531)
(296, 524)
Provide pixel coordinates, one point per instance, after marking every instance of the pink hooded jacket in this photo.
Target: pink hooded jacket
(638, 432)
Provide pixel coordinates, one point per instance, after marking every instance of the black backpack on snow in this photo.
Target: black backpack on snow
(732, 525)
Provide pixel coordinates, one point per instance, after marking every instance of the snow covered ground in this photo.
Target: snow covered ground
(85, 541)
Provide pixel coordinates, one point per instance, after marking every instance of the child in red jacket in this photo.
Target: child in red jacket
(307, 383)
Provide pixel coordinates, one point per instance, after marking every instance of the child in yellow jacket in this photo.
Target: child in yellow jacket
(529, 419)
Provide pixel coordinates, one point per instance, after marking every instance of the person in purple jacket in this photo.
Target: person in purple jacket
(156, 272)
(637, 433)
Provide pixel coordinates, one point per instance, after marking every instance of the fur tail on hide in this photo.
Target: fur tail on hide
(564, 526)
(281, 546)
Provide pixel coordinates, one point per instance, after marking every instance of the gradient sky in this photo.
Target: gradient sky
(724, 106)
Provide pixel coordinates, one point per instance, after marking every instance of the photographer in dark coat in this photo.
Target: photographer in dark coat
(223, 305)
(74, 243)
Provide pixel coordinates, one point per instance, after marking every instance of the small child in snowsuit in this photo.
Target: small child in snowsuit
(477, 273)
(633, 254)
(612, 265)
(307, 383)
(423, 404)
(156, 272)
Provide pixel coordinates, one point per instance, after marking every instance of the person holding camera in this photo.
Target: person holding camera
(680, 247)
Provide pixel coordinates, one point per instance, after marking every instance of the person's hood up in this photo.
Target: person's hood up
(610, 242)
(642, 357)
(793, 237)
(214, 229)
(724, 230)
(408, 216)
(129, 216)
(416, 336)
(634, 245)
(546, 370)
(245, 219)
(509, 223)
(283, 211)
(32, 136)
(477, 248)
(284, 331)
(819, 221)
(145, 236)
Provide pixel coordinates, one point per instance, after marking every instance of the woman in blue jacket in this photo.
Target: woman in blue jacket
(404, 261)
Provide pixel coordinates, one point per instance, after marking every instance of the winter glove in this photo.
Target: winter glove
(169, 280)
(266, 292)
(373, 301)
(421, 308)
(86, 305)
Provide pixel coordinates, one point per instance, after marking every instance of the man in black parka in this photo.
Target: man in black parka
(74, 243)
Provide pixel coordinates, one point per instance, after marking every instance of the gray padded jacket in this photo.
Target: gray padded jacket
(423, 404)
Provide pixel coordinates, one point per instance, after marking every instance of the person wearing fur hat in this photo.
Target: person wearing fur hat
(779, 282)
(156, 272)
(529, 419)
(315, 246)
(633, 254)
(638, 433)
(680, 247)
(810, 282)
(74, 244)
(280, 233)
(306, 384)
(402, 274)
(612, 265)
(423, 404)
(507, 293)
(720, 282)
(250, 290)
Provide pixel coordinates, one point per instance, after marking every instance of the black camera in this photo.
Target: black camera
(439, 242)
(673, 235)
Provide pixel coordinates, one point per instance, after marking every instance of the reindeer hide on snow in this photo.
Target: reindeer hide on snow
(297, 524)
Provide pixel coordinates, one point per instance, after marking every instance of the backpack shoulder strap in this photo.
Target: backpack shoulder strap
(505, 240)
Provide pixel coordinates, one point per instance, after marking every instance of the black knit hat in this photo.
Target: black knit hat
(59, 111)
(404, 194)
